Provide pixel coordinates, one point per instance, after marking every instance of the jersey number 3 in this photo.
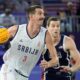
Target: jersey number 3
(24, 59)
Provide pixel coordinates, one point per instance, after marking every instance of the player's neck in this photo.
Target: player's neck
(33, 25)
(33, 29)
(56, 39)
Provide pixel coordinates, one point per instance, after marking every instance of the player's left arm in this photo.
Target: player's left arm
(70, 44)
(53, 54)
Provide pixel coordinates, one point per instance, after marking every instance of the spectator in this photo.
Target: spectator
(69, 10)
(9, 4)
(2, 5)
(21, 5)
(7, 19)
(65, 25)
(78, 14)
(37, 2)
(70, 13)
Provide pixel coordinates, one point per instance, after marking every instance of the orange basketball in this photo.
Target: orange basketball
(4, 35)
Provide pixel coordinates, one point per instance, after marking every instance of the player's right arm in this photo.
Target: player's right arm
(6, 34)
(12, 30)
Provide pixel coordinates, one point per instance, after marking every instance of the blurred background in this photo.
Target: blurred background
(14, 12)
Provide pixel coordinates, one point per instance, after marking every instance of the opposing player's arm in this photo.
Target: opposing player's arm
(53, 53)
(74, 53)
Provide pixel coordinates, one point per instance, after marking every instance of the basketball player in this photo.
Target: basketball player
(66, 49)
(27, 46)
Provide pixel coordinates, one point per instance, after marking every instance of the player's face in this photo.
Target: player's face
(38, 16)
(54, 28)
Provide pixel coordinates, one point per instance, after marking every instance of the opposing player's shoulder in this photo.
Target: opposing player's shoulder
(68, 39)
(69, 42)
(12, 30)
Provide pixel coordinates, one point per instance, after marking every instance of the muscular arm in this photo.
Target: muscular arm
(12, 30)
(52, 50)
(6, 34)
(74, 53)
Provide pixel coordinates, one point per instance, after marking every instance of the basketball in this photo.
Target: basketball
(4, 35)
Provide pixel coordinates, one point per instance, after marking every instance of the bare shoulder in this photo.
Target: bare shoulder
(12, 30)
(69, 39)
(69, 42)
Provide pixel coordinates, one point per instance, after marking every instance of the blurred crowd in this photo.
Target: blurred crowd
(14, 12)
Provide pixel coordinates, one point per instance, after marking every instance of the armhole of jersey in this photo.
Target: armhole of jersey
(64, 46)
(45, 37)
(15, 33)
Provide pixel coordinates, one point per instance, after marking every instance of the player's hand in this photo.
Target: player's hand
(44, 64)
(65, 69)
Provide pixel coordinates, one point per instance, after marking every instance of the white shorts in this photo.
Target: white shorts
(10, 74)
(3, 76)
(13, 75)
(3, 72)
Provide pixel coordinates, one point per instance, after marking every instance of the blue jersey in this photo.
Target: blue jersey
(64, 57)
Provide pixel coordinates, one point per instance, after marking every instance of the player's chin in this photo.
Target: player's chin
(40, 23)
(54, 34)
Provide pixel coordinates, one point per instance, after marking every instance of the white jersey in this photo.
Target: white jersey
(25, 51)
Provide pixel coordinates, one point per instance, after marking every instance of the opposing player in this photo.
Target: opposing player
(27, 45)
(66, 49)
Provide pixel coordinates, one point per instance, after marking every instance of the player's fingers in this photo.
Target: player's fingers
(65, 69)
(43, 65)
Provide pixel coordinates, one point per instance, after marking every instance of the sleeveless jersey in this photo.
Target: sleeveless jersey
(64, 56)
(25, 51)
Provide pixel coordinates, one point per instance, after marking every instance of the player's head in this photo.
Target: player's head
(36, 14)
(7, 11)
(53, 26)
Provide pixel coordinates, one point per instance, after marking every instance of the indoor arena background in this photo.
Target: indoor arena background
(68, 10)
